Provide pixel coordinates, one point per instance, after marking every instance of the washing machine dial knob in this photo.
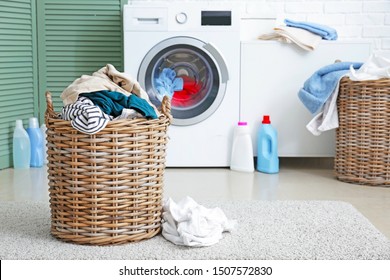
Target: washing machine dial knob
(181, 18)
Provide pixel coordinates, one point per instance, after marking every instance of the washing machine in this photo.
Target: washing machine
(191, 51)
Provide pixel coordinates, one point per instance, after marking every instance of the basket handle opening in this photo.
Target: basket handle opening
(166, 108)
(49, 107)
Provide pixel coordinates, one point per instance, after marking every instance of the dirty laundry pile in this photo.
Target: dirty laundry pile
(319, 93)
(306, 35)
(188, 223)
(91, 101)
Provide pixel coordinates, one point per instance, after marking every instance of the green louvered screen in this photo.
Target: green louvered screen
(18, 81)
(76, 37)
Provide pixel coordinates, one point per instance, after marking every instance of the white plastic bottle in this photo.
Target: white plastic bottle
(36, 141)
(21, 147)
(242, 150)
(44, 150)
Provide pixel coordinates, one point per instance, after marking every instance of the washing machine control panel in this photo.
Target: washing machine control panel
(216, 18)
(189, 16)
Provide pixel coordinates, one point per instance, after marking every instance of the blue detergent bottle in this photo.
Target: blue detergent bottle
(36, 141)
(21, 147)
(267, 148)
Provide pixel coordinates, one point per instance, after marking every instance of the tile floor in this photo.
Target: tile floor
(297, 180)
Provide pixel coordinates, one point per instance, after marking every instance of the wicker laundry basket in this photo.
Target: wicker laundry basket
(106, 188)
(363, 136)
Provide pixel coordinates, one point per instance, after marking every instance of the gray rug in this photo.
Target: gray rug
(282, 230)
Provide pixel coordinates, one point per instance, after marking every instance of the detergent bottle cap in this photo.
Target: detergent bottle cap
(242, 123)
(33, 123)
(266, 119)
(19, 123)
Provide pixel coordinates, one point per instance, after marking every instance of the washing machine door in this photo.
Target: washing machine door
(193, 72)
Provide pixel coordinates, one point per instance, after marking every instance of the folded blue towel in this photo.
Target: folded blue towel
(317, 89)
(167, 83)
(326, 32)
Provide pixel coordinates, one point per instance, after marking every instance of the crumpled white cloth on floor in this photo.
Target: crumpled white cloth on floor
(188, 223)
(376, 67)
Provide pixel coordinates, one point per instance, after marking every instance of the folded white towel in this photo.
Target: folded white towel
(376, 67)
(190, 224)
(302, 38)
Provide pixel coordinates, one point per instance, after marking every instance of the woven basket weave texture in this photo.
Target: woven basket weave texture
(363, 136)
(106, 188)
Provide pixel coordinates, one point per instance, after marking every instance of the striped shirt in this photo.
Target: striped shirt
(85, 116)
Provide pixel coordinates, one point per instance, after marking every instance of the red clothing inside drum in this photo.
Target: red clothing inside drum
(187, 96)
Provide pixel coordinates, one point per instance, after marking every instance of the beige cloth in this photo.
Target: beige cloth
(301, 37)
(107, 78)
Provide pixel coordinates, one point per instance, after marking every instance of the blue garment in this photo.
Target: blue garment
(326, 32)
(317, 89)
(167, 83)
(112, 103)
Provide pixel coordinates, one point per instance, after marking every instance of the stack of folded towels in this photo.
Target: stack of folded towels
(306, 35)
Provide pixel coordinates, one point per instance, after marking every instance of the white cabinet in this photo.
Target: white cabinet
(272, 74)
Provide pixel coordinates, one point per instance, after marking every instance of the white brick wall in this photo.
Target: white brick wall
(368, 20)
(342, 7)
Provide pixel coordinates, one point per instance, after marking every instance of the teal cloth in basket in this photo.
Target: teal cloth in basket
(112, 103)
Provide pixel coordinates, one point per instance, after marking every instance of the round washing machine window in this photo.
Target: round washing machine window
(192, 72)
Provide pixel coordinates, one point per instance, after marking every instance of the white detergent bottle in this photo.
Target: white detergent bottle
(267, 148)
(242, 150)
(36, 141)
(44, 150)
(21, 147)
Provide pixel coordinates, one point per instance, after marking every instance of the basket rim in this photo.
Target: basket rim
(165, 114)
(380, 81)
